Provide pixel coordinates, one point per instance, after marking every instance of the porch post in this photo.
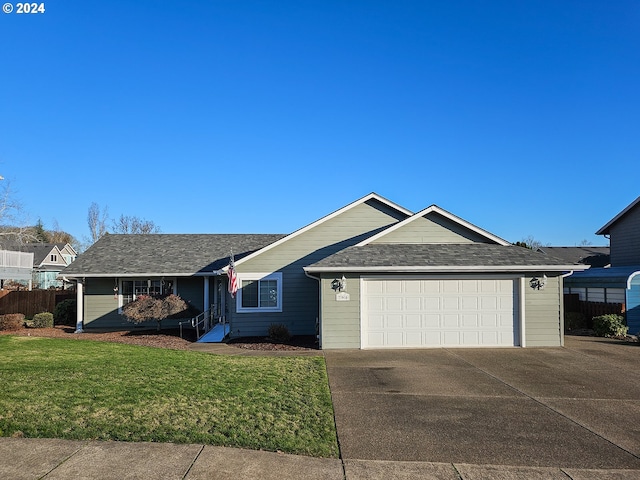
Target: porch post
(207, 302)
(80, 306)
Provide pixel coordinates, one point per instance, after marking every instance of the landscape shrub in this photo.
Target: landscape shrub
(146, 308)
(42, 320)
(574, 320)
(11, 321)
(65, 312)
(279, 333)
(610, 325)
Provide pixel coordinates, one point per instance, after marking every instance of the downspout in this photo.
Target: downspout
(319, 319)
(561, 287)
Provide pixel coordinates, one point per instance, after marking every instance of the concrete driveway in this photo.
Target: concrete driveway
(573, 407)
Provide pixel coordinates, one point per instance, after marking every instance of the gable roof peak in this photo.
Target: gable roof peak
(370, 196)
(433, 208)
(605, 230)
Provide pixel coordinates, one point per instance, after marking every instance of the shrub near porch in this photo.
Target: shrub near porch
(56, 388)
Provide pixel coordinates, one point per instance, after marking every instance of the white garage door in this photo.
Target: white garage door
(438, 313)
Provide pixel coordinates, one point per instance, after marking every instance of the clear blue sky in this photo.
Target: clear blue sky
(262, 116)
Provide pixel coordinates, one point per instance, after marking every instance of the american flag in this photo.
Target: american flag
(233, 278)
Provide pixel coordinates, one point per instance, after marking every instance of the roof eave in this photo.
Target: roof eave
(135, 275)
(448, 268)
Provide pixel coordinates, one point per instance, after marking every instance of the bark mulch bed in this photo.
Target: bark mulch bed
(300, 342)
(169, 338)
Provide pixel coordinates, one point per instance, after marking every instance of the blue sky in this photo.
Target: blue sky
(262, 116)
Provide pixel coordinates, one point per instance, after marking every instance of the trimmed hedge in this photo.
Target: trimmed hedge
(42, 320)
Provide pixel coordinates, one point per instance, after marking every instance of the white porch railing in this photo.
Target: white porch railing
(204, 322)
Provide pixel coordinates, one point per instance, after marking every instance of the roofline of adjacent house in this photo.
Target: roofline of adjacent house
(371, 196)
(605, 229)
(444, 213)
(454, 269)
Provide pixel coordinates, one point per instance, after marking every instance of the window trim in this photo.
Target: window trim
(134, 279)
(277, 276)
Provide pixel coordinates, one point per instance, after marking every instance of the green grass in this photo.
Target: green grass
(72, 389)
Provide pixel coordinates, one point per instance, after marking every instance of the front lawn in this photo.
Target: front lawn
(73, 389)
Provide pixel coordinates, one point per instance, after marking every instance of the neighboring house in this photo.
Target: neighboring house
(619, 283)
(369, 275)
(49, 259)
(15, 266)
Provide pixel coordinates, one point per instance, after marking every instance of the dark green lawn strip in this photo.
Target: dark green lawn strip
(92, 390)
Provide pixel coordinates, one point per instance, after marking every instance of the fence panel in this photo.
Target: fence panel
(31, 302)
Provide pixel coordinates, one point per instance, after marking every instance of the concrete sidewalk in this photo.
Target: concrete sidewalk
(31, 459)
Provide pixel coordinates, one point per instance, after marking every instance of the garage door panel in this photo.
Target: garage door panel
(451, 321)
(376, 340)
(505, 321)
(438, 312)
(451, 303)
(431, 321)
(393, 304)
(488, 320)
(470, 338)
(451, 286)
(429, 286)
(375, 304)
(413, 321)
(470, 320)
(469, 303)
(489, 303)
(413, 338)
(451, 338)
(394, 321)
(431, 304)
(376, 322)
(470, 286)
(395, 339)
(413, 304)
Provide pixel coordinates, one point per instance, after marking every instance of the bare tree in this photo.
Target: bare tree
(132, 224)
(12, 229)
(57, 235)
(97, 221)
(10, 208)
(531, 243)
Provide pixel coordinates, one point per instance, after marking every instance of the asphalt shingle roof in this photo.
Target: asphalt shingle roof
(594, 256)
(118, 255)
(435, 256)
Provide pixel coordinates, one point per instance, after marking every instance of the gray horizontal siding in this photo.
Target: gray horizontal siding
(300, 306)
(543, 314)
(625, 239)
(341, 320)
(432, 228)
(101, 307)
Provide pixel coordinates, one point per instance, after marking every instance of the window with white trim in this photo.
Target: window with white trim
(130, 289)
(259, 292)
